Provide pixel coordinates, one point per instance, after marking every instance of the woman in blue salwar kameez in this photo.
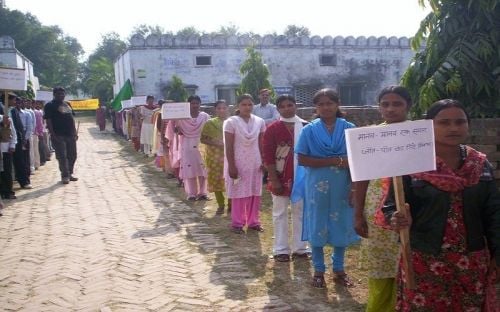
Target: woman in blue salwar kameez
(328, 215)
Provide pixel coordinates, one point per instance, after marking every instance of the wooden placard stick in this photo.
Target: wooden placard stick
(6, 101)
(404, 234)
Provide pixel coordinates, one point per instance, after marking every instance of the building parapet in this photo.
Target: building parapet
(137, 41)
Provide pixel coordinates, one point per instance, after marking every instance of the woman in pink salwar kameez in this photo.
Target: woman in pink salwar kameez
(192, 169)
(243, 165)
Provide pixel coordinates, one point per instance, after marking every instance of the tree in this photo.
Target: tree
(100, 79)
(54, 55)
(175, 90)
(230, 30)
(146, 30)
(110, 47)
(461, 57)
(296, 31)
(97, 75)
(188, 32)
(255, 74)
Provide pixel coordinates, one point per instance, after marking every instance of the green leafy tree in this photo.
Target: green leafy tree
(29, 93)
(188, 32)
(55, 56)
(100, 79)
(175, 90)
(146, 30)
(255, 74)
(461, 56)
(98, 72)
(110, 47)
(296, 31)
(230, 30)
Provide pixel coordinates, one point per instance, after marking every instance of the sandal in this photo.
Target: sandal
(257, 228)
(220, 211)
(282, 258)
(237, 230)
(342, 279)
(202, 197)
(318, 281)
(304, 255)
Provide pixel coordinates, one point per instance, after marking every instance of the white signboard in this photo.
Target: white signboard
(127, 104)
(13, 79)
(176, 111)
(391, 150)
(45, 96)
(138, 100)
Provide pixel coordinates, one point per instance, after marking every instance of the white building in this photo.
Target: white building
(12, 58)
(209, 65)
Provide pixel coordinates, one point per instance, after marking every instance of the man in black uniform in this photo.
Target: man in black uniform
(61, 125)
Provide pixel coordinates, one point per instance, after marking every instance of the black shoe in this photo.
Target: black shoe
(72, 178)
(220, 211)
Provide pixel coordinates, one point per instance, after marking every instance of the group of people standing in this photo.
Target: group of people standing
(454, 211)
(29, 132)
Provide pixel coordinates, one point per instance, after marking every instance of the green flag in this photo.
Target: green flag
(124, 94)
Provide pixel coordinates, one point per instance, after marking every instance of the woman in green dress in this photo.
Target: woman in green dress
(212, 137)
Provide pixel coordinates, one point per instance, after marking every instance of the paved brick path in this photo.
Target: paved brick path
(116, 241)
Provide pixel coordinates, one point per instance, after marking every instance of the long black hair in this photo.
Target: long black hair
(332, 95)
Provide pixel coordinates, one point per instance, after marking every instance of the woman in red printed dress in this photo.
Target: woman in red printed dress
(454, 225)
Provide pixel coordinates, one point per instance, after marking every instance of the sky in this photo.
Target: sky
(88, 20)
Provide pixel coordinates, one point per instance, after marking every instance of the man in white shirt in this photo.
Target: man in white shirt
(264, 109)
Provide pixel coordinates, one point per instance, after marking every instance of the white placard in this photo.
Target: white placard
(391, 150)
(13, 79)
(138, 100)
(45, 96)
(127, 104)
(176, 111)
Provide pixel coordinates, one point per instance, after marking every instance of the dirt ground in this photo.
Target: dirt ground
(289, 281)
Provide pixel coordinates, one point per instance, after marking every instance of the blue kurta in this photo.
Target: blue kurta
(328, 217)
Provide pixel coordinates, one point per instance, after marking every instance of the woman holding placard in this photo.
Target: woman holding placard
(454, 225)
(380, 248)
(328, 216)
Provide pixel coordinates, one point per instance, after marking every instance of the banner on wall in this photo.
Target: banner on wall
(88, 104)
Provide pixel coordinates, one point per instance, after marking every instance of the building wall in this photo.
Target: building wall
(362, 64)
(11, 57)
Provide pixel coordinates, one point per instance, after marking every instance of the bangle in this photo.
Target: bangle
(340, 162)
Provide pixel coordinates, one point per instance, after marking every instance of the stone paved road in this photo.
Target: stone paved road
(116, 241)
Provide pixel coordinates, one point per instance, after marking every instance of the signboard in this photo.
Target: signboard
(13, 79)
(392, 150)
(176, 111)
(45, 96)
(89, 104)
(127, 104)
(283, 90)
(138, 100)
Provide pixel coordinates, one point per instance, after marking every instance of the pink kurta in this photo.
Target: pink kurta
(191, 163)
(247, 156)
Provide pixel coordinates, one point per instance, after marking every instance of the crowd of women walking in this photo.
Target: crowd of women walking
(454, 211)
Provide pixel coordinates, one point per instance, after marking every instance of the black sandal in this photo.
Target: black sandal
(342, 279)
(282, 258)
(318, 281)
(237, 230)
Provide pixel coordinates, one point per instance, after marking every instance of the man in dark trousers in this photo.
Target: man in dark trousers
(61, 125)
(8, 148)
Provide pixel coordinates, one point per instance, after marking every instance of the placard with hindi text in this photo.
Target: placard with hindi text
(390, 150)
